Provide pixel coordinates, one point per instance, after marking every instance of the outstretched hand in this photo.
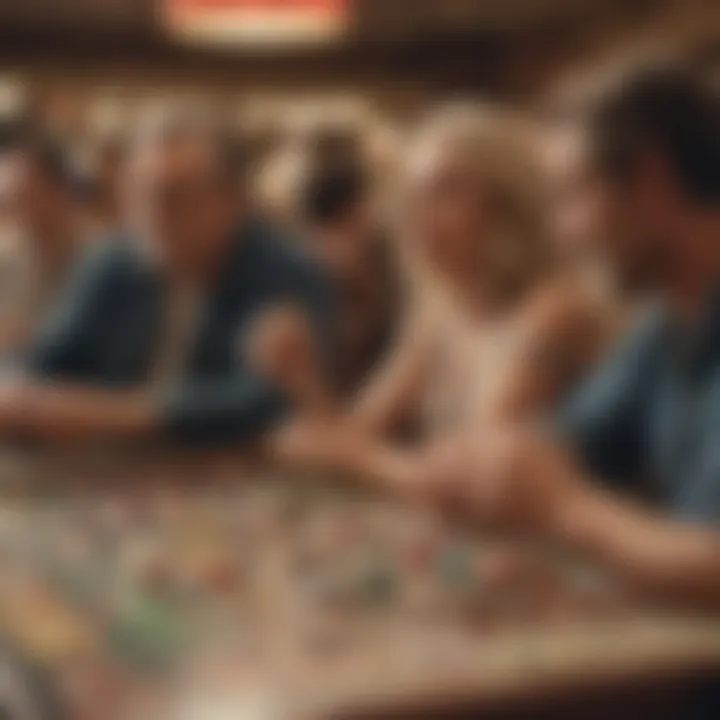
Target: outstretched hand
(281, 348)
(508, 478)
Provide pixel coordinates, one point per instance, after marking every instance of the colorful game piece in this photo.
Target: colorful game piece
(160, 577)
(458, 568)
(146, 635)
(378, 581)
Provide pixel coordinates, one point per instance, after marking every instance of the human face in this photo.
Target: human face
(34, 202)
(635, 221)
(446, 213)
(176, 203)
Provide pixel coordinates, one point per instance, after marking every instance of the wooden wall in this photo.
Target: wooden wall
(401, 53)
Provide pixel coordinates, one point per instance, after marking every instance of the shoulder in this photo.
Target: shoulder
(111, 252)
(281, 255)
(103, 261)
(109, 273)
(627, 371)
(644, 343)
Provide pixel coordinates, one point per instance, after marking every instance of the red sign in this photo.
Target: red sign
(259, 21)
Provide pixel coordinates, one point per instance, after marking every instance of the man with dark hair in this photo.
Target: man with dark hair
(335, 207)
(41, 210)
(150, 342)
(649, 423)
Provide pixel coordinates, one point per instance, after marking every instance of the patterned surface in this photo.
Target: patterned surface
(171, 590)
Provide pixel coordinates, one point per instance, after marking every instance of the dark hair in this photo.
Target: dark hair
(335, 144)
(331, 190)
(667, 109)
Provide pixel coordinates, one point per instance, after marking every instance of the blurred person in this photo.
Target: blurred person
(649, 423)
(337, 214)
(630, 479)
(44, 230)
(492, 332)
(276, 182)
(334, 143)
(150, 342)
(281, 176)
(104, 183)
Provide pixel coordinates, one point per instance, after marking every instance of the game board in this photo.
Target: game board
(193, 590)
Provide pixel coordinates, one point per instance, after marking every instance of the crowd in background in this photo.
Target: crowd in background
(427, 312)
(341, 188)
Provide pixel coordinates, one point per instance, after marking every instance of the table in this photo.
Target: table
(195, 587)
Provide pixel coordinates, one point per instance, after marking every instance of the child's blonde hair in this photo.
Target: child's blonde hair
(499, 149)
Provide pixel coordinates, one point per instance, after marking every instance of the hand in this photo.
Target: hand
(508, 479)
(281, 348)
(328, 444)
(280, 343)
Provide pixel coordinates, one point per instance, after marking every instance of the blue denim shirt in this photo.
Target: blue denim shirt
(105, 332)
(650, 419)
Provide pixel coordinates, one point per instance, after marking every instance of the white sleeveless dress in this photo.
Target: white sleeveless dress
(473, 366)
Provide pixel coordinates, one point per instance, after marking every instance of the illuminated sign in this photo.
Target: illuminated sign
(231, 22)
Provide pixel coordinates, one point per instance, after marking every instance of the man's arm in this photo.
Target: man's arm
(225, 410)
(516, 480)
(604, 427)
(248, 404)
(42, 396)
(236, 408)
(660, 559)
(68, 414)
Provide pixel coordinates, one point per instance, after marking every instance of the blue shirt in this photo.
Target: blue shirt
(106, 330)
(649, 421)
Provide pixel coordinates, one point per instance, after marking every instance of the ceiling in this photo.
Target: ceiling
(374, 17)
(443, 45)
